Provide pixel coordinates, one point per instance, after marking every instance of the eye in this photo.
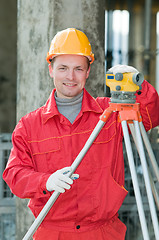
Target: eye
(79, 69)
(62, 68)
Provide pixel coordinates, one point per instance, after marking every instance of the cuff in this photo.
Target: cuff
(43, 192)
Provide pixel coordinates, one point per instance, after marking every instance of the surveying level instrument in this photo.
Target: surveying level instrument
(123, 88)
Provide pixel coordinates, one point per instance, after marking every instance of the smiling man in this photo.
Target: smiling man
(46, 142)
(69, 73)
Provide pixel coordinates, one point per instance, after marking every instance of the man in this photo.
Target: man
(46, 142)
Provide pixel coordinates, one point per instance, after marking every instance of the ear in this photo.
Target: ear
(51, 71)
(88, 71)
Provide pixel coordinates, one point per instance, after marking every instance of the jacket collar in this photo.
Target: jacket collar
(89, 104)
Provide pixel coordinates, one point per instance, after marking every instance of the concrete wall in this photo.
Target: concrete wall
(8, 41)
(38, 22)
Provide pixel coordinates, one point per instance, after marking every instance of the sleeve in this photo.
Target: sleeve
(20, 174)
(149, 105)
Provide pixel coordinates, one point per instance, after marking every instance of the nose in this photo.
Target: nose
(70, 74)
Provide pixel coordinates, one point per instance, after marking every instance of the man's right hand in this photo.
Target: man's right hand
(59, 181)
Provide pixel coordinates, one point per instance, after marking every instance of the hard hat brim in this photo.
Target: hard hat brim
(51, 56)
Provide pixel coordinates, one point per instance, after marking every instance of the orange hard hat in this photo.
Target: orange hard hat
(70, 41)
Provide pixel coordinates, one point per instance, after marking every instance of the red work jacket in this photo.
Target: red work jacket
(45, 141)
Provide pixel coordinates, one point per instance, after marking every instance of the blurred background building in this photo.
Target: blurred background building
(120, 32)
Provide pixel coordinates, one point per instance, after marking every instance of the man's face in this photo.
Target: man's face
(69, 73)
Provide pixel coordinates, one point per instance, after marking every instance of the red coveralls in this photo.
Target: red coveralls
(45, 141)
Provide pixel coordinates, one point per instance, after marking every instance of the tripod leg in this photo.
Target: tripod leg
(135, 181)
(149, 150)
(154, 190)
(153, 187)
(147, 180)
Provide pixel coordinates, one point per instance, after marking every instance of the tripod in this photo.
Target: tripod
(128, 113)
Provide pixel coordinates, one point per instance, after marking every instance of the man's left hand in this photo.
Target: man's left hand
(122, 69)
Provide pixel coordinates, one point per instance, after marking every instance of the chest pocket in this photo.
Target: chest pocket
(104, 148)
(43, 152)
(45, 146)
(106, 134)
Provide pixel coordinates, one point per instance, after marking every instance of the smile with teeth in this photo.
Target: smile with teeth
(70, 84)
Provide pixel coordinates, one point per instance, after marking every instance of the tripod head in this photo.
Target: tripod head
(123, 86)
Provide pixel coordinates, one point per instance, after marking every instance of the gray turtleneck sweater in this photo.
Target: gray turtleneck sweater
(70, 108)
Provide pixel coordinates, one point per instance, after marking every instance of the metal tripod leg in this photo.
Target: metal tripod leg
(154, 190)
(148, 147)
(135, 181)
(147, 180)
(151, 156)
(149, 150)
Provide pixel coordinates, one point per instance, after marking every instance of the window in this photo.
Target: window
(116, 37)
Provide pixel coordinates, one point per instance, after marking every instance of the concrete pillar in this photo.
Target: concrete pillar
(7, 65)
(153, 48)
(38, 22)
